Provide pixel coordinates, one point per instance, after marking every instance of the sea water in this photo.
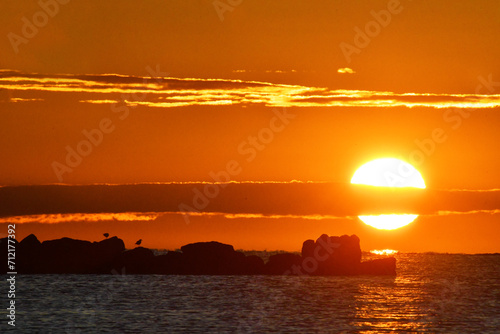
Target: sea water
(432, 293)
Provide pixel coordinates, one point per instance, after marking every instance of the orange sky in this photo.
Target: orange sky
(180, 90)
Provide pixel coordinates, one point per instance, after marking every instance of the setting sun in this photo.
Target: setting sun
(388, 222)
(388, 172)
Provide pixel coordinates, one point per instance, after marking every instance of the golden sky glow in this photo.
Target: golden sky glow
(267, 110)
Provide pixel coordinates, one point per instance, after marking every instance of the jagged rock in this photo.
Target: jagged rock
(139, 260)
(68, 256)
(344, 256)
(30, 243)
(308, 248)
(107, 251)
(283, 264)
(211, 249)
(331, 255)
(28, 255)
(339, 256)
(208, 258)
(253, 265)
(170, 263)
(212, 258)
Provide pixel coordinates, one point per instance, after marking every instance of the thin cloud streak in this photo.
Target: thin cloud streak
(472, 190)
(187, 183)
(182, 92)
(81, 217)
(472, 212)
(149, 216)
(263, 216)
(154, 216)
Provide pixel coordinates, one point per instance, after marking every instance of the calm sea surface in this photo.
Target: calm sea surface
(433, 293)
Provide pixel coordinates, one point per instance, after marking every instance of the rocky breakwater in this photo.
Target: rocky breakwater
(340, 256)
(326, 256)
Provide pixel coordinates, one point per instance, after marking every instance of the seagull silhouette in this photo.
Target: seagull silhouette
(138, 242)
(106, 235)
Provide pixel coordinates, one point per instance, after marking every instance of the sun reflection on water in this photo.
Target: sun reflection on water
(384, 251)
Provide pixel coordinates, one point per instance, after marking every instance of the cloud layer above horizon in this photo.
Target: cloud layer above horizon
(303, 200)
(168, 92)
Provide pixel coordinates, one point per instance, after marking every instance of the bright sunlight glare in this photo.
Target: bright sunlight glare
(384, 251)
(388, 222)
(388, 172)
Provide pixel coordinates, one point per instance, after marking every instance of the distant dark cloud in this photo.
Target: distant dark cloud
(59, 203)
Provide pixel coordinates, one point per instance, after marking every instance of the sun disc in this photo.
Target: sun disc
(388, 172)
(388, 222)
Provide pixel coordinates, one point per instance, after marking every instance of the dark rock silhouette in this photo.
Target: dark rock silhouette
(170, 263)
(66, 256)
(308, 248)
(332, 255)
(212, 258)
(325, 256)
(254, 265)
(340, 256)
(136, 261)
(283, 263)
(108, 250)
(29, 254)
(30, 243)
